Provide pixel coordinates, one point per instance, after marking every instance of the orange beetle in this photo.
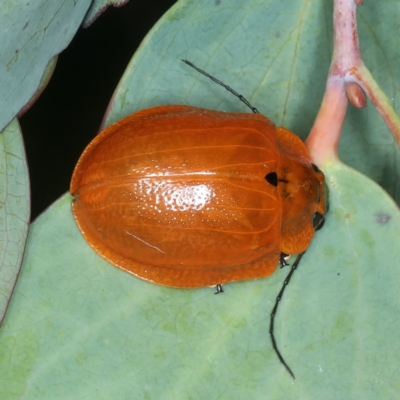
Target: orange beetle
(188, 197)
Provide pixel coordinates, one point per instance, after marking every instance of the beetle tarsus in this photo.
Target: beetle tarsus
(282, 260)
(219, 289)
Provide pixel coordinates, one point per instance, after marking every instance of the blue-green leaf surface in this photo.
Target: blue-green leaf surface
(32, 33)
(79, 328)
(14, 209)
(277, 54)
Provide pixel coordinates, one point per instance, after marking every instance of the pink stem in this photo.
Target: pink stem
(347, 67)
(324, 136)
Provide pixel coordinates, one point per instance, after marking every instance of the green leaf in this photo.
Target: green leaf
(367, 145)
(14, 209)
(32, 34)
(276, 54)
(78, 327)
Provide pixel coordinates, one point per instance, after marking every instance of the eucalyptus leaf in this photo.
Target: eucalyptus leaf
(277, 54)
(78, 327)
(14, 209)
(32, 33)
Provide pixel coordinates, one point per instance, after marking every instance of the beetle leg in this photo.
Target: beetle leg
(282, 259)
(219, 289)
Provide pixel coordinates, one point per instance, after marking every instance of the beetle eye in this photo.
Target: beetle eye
(318, 221)
(272, 178)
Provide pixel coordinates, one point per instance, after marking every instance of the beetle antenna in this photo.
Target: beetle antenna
(229, 89)
(275, 309)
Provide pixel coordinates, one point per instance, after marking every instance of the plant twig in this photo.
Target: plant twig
(348, 80)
